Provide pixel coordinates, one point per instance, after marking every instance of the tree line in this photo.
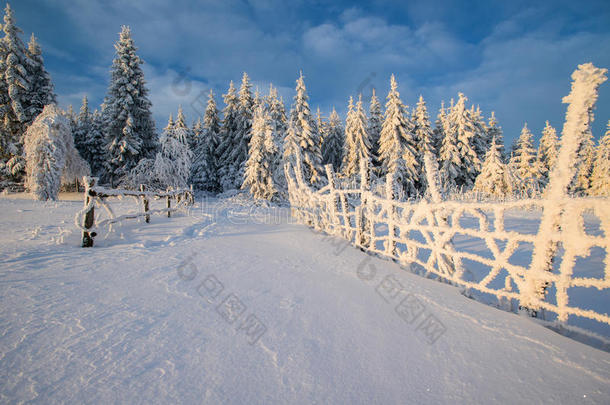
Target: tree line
(246, 145)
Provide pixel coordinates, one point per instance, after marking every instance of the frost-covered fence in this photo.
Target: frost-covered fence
(97, 196)
(482, 246)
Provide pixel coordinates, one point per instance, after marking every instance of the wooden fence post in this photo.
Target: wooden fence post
(169, 205)
(389, 195)
(145, 203)
(90, 214)
(360, 211)
(330, 175)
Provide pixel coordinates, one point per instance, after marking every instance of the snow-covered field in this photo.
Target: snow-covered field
(253, 310)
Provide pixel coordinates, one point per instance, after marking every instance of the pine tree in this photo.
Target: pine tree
(303, 134)
(524, 165)
(547, 151)
(128, 124)
(82, 130)
(469, 143)
(45, 152)
(424, 136)
(321, 126)
(600, 179)
(423, 131)
(16, 87)
(258, 178)
(227, 137)
(357, 141)
(236, 137)
(482, 141)
(332, 148)
(495, 131)
(439, 125)
(277, 114)
(181, 123)
(41, 87)
(374, 127)
(95, 145)
(494, 178)
(449, 155)
(205, 167)
(585, 162)
(240, 154)
(397, 144)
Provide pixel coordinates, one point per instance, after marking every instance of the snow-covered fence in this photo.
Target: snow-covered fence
(437, 235)
(96, 196)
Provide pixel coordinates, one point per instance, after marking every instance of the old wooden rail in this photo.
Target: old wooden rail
(97, 196)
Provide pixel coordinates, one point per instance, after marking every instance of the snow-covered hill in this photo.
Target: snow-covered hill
(254, 310)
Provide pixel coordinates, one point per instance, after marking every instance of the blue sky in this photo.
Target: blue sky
(513, 57)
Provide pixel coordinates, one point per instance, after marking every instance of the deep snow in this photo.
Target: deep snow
(134, 320)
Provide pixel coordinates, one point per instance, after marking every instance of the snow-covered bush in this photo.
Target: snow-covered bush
(171, 167)
(46, 149)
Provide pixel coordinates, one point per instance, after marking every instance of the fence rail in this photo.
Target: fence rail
(96, 196)
(424, 233)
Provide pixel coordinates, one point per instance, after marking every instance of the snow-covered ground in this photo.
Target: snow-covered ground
(254, 310)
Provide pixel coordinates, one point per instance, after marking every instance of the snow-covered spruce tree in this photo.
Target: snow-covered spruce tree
(483, 141)
(439, 128)
(547, 151)
(303, 133)
(374, 127)
(495, 178)
(183, 126)
(524, 165)
(45, 152)
(95, 145)
(495, 131)
(277, 113)
(468, 142)
(423, 130)
(239, 154)
(82, 130)
(16, 87)
(129, 128)
(41, 87)
(173, 161)
(228, 131)
(600, 179)
(449, 156)
(258, 176)
(586, 159)
(257, 101)
(397, 144)
(332, 148)
(357, 147)
(321, 125)
(424, 136)
(205, 167)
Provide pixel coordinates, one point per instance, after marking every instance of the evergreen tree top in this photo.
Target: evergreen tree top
(230, 98)
(84, 109)
(34, 47)
(180, 119)
(10, 27)
(245, 92)
(170, 123)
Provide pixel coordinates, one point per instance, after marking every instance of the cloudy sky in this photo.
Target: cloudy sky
(513, 57)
